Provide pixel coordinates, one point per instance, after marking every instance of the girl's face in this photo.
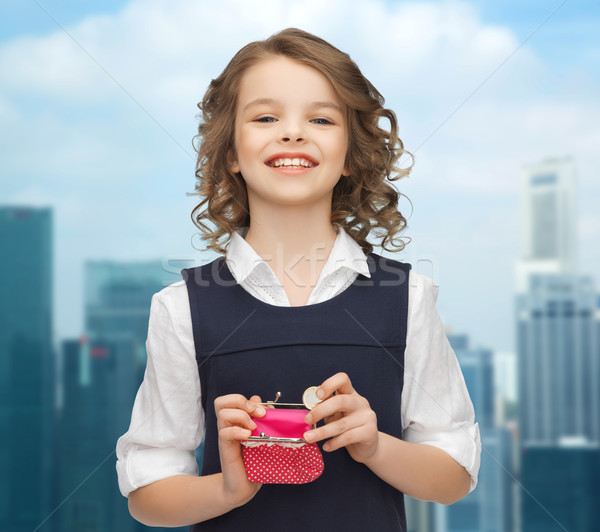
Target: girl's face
(290, 134)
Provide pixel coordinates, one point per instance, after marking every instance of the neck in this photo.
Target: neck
(293, 242)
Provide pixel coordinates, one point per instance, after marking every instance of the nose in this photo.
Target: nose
(288, 139)
(292, 131)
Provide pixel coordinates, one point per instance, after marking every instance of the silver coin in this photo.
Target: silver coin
(309, 397)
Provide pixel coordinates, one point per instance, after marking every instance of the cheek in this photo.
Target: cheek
(249, 146)
(338, 147)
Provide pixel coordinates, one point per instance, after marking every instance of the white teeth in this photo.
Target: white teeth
(292, 163)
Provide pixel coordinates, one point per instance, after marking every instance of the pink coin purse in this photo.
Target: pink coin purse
(276, 453)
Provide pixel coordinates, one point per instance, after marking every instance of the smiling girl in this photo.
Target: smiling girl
(294, 168)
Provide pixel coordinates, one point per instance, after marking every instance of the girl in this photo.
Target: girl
(293, 165)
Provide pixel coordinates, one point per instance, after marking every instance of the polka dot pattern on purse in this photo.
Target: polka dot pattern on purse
(277, 464)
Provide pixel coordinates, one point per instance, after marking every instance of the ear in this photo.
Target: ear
(232, 163)
(345, 172)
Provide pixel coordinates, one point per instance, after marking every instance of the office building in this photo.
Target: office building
(559, 360)
(102, 372)
(548, 221)
(563, 487)
(489, 507)
(26, 368)
(98, 377)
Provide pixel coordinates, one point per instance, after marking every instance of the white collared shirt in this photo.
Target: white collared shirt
(167, 421)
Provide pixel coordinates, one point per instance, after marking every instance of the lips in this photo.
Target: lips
(291, 160)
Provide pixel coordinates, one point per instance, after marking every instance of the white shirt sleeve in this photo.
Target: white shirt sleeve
(436, 407)
(167, 420)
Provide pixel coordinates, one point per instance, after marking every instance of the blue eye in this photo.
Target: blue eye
(265, 119)
(321, 121)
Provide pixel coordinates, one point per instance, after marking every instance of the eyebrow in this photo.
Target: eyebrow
(271, 101)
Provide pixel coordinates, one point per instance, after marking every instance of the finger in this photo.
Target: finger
(338, 404)
(360, 434)
(334, 429)
(233, 400)
(235, 416)
(260, 410)
(339, 383)
(334, 417)
(237, 401)
(234, 433)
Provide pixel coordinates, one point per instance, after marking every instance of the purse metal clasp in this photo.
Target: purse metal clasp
(274, 402)
(264, 438)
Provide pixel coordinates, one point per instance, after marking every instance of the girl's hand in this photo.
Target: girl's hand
(349, 420)
(234, 422)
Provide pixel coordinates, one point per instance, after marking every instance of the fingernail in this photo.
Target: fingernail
(320, 393)
(308, 419)
(253, 425)
(308, 436)
(260, 411)
(248, 433)
(326, 446)
(250, 405)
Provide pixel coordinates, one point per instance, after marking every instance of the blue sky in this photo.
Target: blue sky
(112, 154)
(18, 17)
(577, 20)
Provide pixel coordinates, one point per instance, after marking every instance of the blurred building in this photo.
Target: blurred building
(548, 221)
(98, 381)
(117, 299)
(488, 508)
(101, 374)
(420, 515)
(477, 367)
(559, 411)
(557, 332)
(558, 346)
(559, 360)
(565, 483)
(26, 368)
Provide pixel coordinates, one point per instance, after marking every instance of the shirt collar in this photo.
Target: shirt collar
(242, 259)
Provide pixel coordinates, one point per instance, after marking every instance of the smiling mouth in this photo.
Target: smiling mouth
(291, 163)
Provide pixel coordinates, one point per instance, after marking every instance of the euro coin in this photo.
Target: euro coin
(309, 397)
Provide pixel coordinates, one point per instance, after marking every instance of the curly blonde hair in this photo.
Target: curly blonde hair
(361, 202)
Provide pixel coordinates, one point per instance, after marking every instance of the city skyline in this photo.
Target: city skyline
(113, 145)
(100, 368)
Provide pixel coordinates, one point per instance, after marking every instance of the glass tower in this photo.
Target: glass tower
(488, 508)
(558, 349)
(26, 368)
(548, 231)
(102, 371)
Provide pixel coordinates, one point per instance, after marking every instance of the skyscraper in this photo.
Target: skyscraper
(558, 358)
(488, 508)
(565, 487)
(101, 373)
(557, 342)
(548, 221)
(98, 379)
(26, 367)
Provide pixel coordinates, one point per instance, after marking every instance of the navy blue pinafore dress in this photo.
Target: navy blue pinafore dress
(246, 346)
